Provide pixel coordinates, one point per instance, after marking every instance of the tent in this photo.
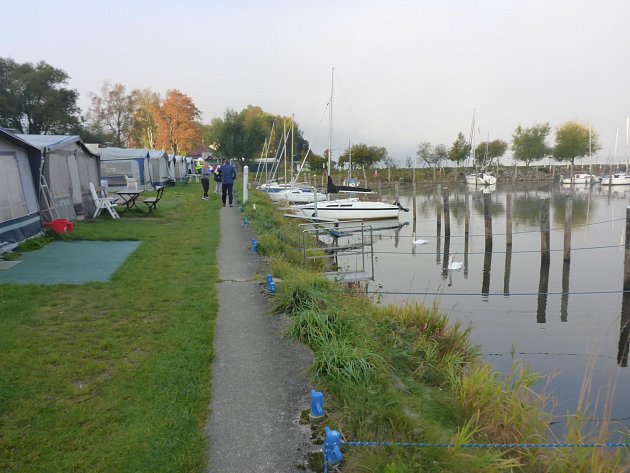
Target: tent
(19, 178)
(69, 167)
(160, 169)
(147, 167)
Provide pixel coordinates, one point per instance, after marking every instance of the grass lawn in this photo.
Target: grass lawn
(115, 376)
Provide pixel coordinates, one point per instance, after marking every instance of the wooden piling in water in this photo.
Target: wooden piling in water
(508, 221)
(624, 332)
(414, 209)
(564, 299)
(438, 210)
(544, 227)
(447, 219)
(487, 219)
(568, 218)
(466, 213)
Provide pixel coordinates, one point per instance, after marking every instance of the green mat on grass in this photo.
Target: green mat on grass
(75, 262)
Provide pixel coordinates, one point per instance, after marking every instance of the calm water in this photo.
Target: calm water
(498, 295)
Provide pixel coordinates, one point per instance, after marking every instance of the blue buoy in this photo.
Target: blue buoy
(332, 447)
(272, 287)
(269, 279)
(254, 247)
(317, 404)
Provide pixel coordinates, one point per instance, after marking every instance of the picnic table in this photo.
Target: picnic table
(192, 177)
(129, 199)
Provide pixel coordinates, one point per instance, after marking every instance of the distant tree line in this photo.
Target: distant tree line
(36, 99)
(573, 140)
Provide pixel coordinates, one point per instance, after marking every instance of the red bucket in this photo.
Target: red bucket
(61, 225)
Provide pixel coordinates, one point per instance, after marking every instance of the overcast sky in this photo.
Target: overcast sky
(405, 71)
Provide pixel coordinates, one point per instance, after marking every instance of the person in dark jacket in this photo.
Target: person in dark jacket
(228, 176)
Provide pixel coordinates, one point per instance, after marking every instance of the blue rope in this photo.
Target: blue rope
(499, 252)
(486, 445)
(485, 294)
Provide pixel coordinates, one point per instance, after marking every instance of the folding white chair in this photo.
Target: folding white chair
(103, 203)
(132, 184)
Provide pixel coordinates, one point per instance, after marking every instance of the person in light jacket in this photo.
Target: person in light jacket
(217, 179)
(205, 179)
(228, 176)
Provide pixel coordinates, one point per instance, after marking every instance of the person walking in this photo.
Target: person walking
(205, 179)
(228, 176)
(217, 179)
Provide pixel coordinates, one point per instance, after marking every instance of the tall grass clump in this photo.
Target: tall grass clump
(303, 293)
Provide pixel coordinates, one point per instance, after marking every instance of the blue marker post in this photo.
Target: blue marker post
(332, 447)
(271, 285)
(317, 405)
(254, 247)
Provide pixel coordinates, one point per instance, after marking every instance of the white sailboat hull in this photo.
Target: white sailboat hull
(620, 178)
(481, 178)
(577, 179)
(297, 196)
(348, 209)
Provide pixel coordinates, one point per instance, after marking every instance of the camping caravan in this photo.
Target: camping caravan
(149, 168)
(116, 163)
(68, 167)
(19, 180)
(160, 170)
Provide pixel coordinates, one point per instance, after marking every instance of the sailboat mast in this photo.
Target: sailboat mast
(292, 143)
(627, 132)
(330, 119)
(349, 161)
(616, 142)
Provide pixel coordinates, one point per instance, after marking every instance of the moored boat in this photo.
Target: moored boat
(619, 178)
(578, 178)
(349, 209)
(481, 178)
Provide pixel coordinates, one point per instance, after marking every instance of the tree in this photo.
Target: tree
(112, 113)
(178, 128)
(460, 149)
(432, 156)
(143, 132)
(34, 101)
(365, 157)
(487, 151)
(243, 134)
(574, 140)
(529, 144)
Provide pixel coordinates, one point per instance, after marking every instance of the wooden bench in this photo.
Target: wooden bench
(153, 201)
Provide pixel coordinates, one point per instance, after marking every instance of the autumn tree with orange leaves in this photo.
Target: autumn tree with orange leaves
(177, 125)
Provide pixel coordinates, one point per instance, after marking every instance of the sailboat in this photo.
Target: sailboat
(478, 178)
(350, 208)
(618, 178)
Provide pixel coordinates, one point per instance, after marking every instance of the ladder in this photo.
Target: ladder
(46, 202)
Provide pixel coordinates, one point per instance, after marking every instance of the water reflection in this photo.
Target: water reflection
(559, 336)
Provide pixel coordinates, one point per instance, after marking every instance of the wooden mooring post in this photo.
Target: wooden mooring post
(438, 210)
(568, 219)
(544, 228)
(447, 219)
(508, 244)
(624, 332)
(487, 220)
(543, 285)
